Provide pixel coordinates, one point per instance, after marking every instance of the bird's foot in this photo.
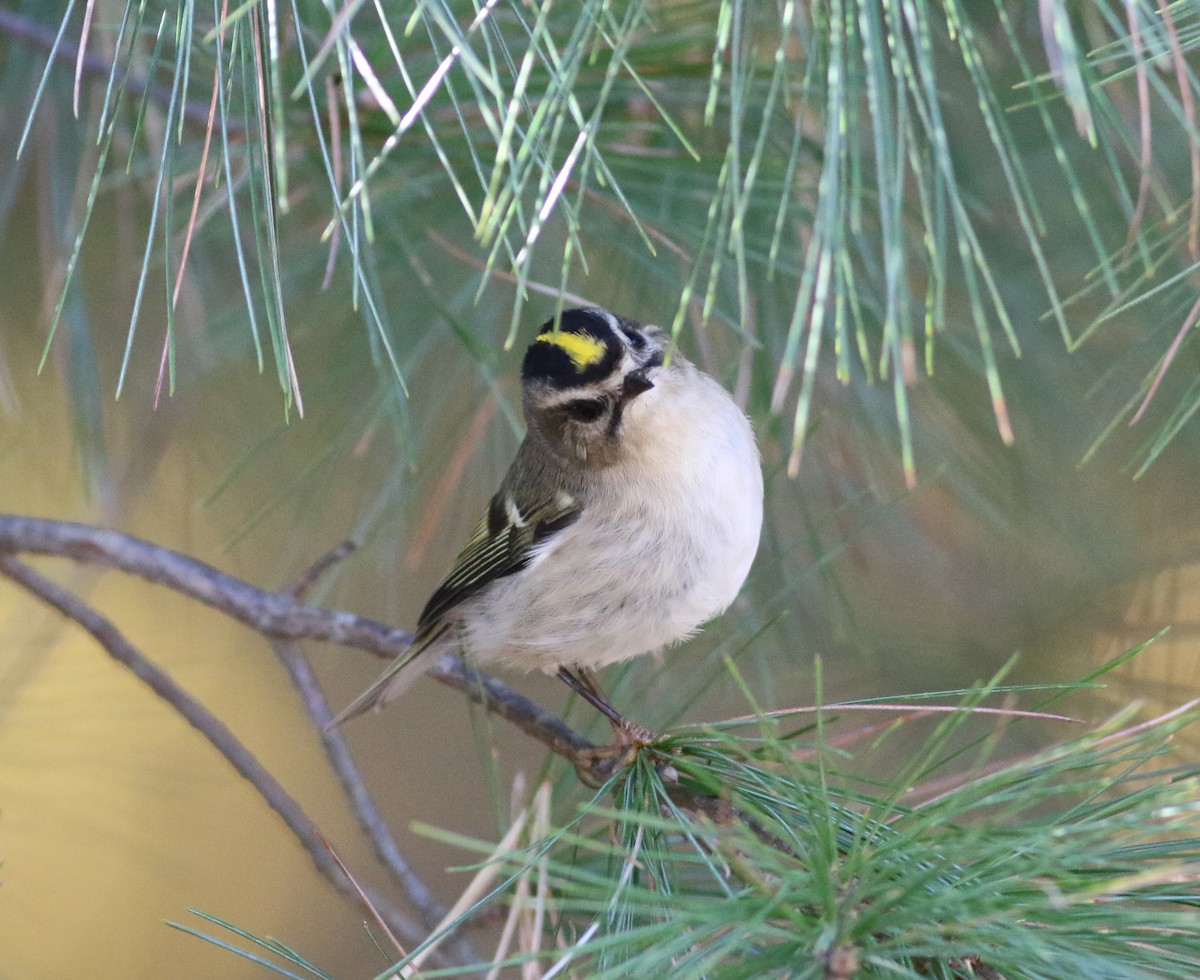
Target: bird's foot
(629, 738)
(632, 737)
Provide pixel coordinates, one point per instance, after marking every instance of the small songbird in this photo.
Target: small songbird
(629, 517)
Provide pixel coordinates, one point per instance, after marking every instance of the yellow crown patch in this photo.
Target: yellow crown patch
(583, 349)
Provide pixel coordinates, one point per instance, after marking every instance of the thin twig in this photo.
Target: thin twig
(270, 613)
(304, 680)
(212, 729)
(429, 909)
(915, 709)
(468, 259)
(1144, 117)
(317, 570)
(379, 919)
(15, 25)
(1188, 105)
(1165, 362)
(281, 617)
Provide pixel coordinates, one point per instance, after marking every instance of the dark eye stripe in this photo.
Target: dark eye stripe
(636, 340)
(585, 409)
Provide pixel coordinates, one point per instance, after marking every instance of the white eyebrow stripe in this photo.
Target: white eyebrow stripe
(580, 393)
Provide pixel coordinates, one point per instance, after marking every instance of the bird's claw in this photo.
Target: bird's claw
(596, 765)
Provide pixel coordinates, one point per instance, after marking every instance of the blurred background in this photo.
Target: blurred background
(943, 258)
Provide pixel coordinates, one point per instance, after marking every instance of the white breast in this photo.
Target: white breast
(660, 548)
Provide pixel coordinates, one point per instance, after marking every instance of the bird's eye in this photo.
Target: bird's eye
(585, 409)
(636, 340)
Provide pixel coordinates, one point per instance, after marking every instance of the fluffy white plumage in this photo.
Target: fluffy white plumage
(663, 545)
(629, 518)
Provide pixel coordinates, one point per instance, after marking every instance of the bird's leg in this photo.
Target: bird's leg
(628, 735)
(587, 689)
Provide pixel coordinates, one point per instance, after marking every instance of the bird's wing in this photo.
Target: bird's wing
(502, 543)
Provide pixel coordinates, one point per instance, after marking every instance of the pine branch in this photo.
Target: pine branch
(214, 730)
(280, 616)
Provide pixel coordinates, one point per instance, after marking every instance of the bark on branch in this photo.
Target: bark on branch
(283, 619)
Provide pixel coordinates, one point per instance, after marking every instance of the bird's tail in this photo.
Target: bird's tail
(396, 678)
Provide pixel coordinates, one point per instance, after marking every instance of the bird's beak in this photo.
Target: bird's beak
(636, 382)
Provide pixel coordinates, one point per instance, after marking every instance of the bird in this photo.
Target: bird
(629, 517)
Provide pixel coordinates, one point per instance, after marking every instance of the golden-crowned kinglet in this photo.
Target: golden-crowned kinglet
(628, 518)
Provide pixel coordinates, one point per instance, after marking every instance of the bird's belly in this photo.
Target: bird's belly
(619, 585)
